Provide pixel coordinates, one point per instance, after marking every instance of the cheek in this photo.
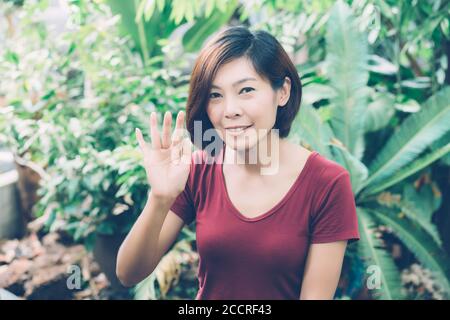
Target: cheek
(214, 113)
(264, 110)
(261, 108)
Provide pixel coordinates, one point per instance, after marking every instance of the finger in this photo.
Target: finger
(177, 133)
(180, 120)
(154, 133)
(140, 140)
(167, 128)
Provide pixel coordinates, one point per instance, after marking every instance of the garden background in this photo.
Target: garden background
(78, 76)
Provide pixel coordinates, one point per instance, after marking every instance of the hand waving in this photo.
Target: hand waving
(167, 160)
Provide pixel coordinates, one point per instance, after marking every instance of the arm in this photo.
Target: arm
(167, 164)
(322, 270)
(151, 236)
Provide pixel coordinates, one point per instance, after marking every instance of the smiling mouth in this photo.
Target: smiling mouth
(237, 129)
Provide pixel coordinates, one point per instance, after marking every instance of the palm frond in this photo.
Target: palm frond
(445, 139)
(374, 254)
(420, 243)
(315, 92)
(414, 207)
(405, 172)
(194, 38)
(309, 128)
(379, 112)
(346, 63)
(413, 136)
(358, 171)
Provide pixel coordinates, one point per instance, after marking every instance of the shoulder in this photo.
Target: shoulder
(327, 171)
(329, 182)
(328, 178)
(321, 171)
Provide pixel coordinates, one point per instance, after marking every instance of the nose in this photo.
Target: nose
(232, 109)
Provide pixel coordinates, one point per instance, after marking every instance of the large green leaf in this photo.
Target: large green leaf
(193, 38)
(406, 171)
(145, 33)
(379, 112)
(413, 136)
(309, 128)
(439, 144)
(420, 243)
(381, 65)
(358, 171)
(419, 206)
(373, 254)
(314, 92)
(346, 62)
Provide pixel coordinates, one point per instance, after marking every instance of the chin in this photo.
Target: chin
(241, 145)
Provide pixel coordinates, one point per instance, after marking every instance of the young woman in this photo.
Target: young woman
(274, 234)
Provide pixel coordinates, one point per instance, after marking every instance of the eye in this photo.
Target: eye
(214, 95)
(247, 90)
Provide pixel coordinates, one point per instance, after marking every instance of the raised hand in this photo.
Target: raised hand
(167, 160)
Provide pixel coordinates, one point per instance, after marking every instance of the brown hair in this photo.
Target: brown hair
(270, 61)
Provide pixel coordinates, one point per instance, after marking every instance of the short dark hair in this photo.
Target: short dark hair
(270, 61)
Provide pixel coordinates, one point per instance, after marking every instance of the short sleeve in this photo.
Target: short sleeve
(336, 218)
(183, 206)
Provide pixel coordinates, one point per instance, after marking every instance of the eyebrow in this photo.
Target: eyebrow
(237, 82)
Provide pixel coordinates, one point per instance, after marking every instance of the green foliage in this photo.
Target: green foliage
(346, 67)
(79, 124)
(371, 248)
(151, 22)
(341, 136)
(416, 132)
(375, 100)
(419, 241)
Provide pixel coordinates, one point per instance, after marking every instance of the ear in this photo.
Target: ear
(284, 92)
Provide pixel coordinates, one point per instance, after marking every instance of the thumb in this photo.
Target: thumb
(140, 140)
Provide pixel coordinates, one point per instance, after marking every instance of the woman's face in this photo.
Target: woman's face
(243, 106)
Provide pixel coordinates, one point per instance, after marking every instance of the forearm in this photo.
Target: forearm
(138, 254)
(322, 271)
(320, 292)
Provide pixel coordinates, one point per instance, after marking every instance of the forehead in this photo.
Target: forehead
(234, 71)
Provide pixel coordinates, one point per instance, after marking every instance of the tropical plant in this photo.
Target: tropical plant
(349, 111)
(151, 23)
(74, 101)
(71, 103)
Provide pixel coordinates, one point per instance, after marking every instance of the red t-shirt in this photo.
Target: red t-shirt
(264, 257)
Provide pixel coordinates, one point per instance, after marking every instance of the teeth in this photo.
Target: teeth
(237, 129)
